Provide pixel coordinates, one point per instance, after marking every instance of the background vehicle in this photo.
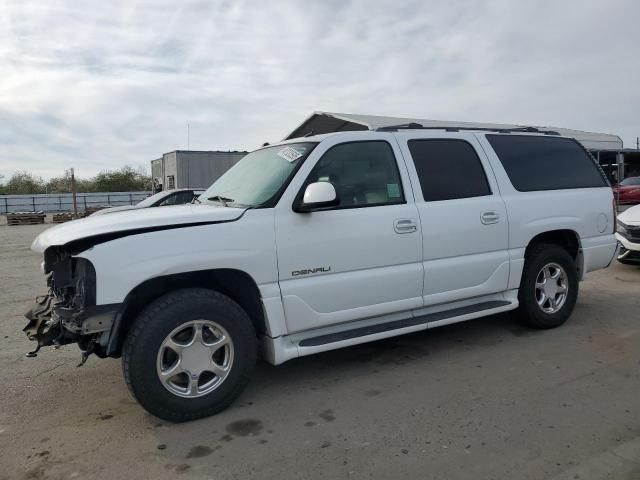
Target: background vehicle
(160, 199)
(325, 242)
(628, 234)
(628, 191)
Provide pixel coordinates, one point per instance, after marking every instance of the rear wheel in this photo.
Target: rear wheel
(549, 287)
(189, 354)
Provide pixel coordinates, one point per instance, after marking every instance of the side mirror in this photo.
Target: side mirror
(317, 196)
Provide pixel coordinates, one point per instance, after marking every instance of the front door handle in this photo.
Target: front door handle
(405, 225)
(489, 217)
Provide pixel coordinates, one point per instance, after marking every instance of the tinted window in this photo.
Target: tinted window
(448, 169)
(177, 198)
(185, 197)
(363, 174)
(153, 199)
(172, 199)
(545, 163)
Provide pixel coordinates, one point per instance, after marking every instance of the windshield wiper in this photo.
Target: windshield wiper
(223, 200)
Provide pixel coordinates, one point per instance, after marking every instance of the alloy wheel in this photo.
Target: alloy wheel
(195, 358)
(551, 288)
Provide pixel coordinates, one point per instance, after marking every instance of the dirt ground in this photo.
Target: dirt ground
(486, 399)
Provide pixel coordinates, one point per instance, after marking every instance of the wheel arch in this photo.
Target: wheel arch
(236, 284)
(565, 238)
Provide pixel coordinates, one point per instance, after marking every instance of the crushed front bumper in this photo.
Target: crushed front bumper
(42, 328)
(53, 322)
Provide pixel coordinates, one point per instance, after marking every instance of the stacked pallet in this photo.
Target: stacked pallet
(67, 216)
(89, 210)
(25, 218)
(62, 217)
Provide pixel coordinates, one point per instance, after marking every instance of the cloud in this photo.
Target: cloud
(97, 85)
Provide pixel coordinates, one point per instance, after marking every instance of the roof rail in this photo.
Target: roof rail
(418, 126)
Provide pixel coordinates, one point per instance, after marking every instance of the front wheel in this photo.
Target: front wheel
(549, 287)
(189, 354)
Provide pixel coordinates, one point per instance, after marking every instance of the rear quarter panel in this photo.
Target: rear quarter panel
(586, 211)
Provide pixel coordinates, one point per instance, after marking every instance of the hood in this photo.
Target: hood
(631, 216)
(113, 210)
(100, 228)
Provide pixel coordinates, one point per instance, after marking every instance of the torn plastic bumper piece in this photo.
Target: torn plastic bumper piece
(53, 322)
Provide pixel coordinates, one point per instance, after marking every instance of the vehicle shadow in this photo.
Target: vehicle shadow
(375, 357)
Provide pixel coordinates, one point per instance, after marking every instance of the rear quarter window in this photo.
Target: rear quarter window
(546, 163)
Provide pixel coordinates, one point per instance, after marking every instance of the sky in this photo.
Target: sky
(99, 85)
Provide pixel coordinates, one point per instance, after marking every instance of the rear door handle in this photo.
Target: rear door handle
(405, 225)
(489, 217)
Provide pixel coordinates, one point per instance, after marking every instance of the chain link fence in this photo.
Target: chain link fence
(63, 202)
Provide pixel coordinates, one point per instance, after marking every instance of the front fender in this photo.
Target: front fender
(124, 263)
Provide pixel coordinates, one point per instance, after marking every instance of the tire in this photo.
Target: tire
(529, 295)
(147, 351)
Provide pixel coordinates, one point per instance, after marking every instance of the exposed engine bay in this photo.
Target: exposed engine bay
(68, 312)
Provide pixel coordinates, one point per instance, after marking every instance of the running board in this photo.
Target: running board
(399, 324)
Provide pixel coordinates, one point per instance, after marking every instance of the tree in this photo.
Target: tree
(63, 184)
(23, 182)
(59, 184)
(127, 179)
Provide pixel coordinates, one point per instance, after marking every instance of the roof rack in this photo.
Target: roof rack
(418, 126)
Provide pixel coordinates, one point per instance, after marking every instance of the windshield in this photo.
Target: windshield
(147, 202)
(631, 181)
(259, 177)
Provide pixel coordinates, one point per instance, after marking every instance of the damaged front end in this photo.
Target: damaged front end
(68, 312)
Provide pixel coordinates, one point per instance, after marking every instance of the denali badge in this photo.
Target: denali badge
(296, 273)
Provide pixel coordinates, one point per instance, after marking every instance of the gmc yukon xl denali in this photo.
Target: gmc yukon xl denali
(324, 242)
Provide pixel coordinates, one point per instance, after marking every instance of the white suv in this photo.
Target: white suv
(323, 242)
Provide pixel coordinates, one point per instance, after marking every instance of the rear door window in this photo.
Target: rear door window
(546, 163)
(448, 169)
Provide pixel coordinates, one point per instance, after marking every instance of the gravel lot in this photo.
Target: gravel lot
(483, 399)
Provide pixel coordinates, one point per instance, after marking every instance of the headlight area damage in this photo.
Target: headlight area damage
(68, 312)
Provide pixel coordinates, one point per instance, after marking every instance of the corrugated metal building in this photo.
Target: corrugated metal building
(191, 168)
(606, 148)
(325, 122)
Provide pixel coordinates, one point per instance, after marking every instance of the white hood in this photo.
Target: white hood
(631, 216)
(135, 219)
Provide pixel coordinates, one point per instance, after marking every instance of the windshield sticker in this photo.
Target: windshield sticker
(289, 154)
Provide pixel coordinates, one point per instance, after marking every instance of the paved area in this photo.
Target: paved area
(486, 399)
